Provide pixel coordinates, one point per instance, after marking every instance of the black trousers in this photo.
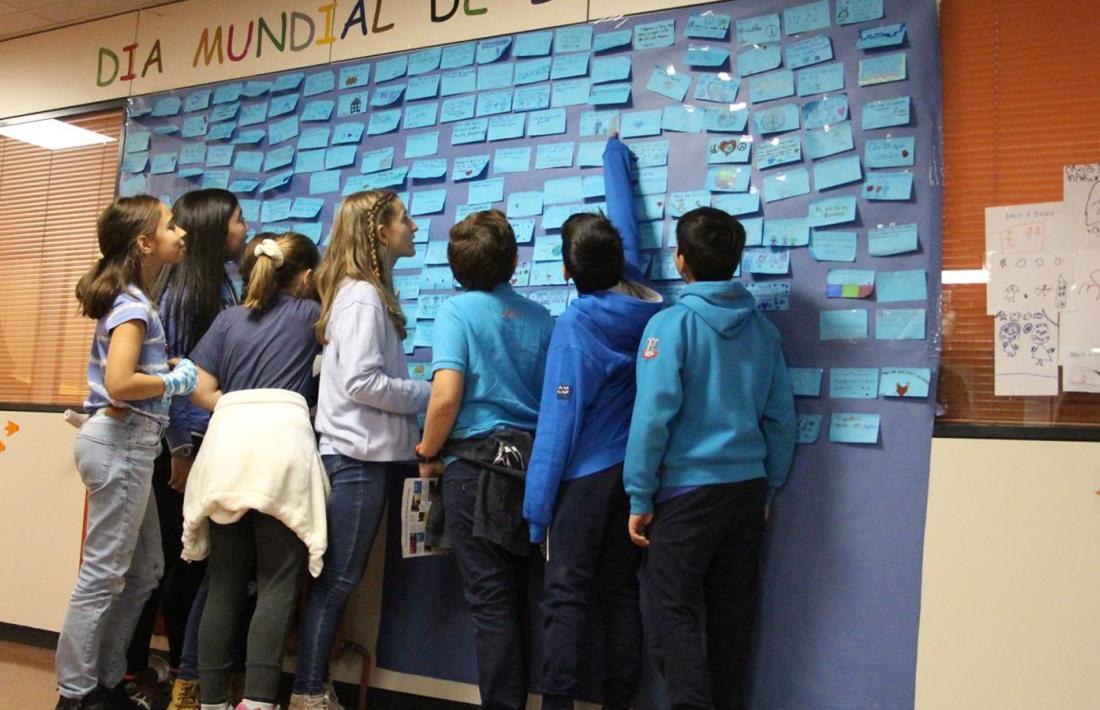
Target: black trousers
(592, 568)
(701, 573)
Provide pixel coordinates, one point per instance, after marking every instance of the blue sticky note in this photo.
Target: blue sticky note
(469, 167)
(277, 180)
(422, 87)
(279, 157)
(282, 105)
(738, 203)
(507, 126)
(839, 171)
(562, 190)
(555, 215)
(276, 210)
(728, 178)
(758, 59)
(279, 131)
(437, 255)
(354, 76)
(458, 55)
(464, 211)
(573, 39)
(606, 41)
(649, 154)
(221, 131)
(134, 185)
(425, 60)
(882, 69)
(215, 178)
(843, 325)
(679, 203)
(849, 12)
(853, 382)
(884, 36)
(720, 88)
(652, 35)
(383, 121)
(422, 145)
(593, 186)
(727, 120)
(459, 81)
(809, 51)
(649, 207)
(786, 232)
(774, 85)
(287, 82)
(383, 178)
(786, 184)
(225, 112)
(428, 202)
(706, 56)
(664, 267)
(777, 151)
(196, 100)
(766, 261)
(853, 428)
(512, 160)
(136, 162)
(833, 246)
(391, 68)
(666, 82)
(889, 152)
(758, 30)
(777, 119)
(829, 140)
(547, 273)
(328, 181)
(708, 25)
(490, 50)
(194, 126)
(531, 98)
(885, 113)
(532, 71)
(806, 381)
(310, 161)
(137, 142)
(319, 83)
(640, 123)
(190, 154)
(482, 191)
(598, 123)
(900, 324)
(423, 231)
(850, 283)
(340, 156)
(548, 248)
(347, 133)
(606, 69)
(895, 239)
(227, 93)
(490, 103)
(387, 95)
(683, 119)
(825, 111)
(821, 79)
(353, 104)
(243, 185)
(420, 115)
(590, 155)
(309, 229)
(428, 169)
(808, 427)
(163, 163)
(604, 94)
(905, 381)
(457, 108)
(250, 210)
(496, 76)
(729, 149)
(472, 131)
(805, 18)
(569, 92)
(566, 66)
(316, 137)
(893, 186)
(554, 155)
(652, 181)
(219, 156)
(533, 44)
(546, 123)
(190, 172)
(896, 286)
(167, 106)
(249, 137)
(832, 210)
(524, 204)
(253, 114)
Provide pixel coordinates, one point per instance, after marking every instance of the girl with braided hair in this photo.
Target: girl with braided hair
(366, 410)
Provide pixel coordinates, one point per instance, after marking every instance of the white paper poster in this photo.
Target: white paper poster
(1025, 229)
(1081, 194)
(1035, 281)
(417, 496)
(1025, 345)
(1080, 337)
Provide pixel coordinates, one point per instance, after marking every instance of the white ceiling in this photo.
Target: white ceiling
(24, 17)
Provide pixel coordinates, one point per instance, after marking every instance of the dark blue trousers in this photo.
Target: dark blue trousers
(592, 568)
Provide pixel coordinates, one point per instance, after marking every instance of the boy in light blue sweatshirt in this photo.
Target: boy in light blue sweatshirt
(711, 440)
(574, 481)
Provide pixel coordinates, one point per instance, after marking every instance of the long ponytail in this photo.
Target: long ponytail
(118, 228)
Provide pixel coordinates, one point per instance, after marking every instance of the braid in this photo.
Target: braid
(375, 229)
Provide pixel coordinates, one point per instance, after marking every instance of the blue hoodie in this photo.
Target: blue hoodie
(588, 389)
(714, 403)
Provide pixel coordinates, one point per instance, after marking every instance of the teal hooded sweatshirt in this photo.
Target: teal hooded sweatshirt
(714, 400)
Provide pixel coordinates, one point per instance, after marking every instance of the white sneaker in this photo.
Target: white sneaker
(331, 697)
(300, 701)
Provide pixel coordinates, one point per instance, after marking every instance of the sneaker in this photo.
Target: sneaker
(185, 695)
(99, 699)
(129, 696)
(331, 697)
(301, 701)
(161, 666)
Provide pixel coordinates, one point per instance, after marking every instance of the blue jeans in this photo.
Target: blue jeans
(354, 512)
(122, 561)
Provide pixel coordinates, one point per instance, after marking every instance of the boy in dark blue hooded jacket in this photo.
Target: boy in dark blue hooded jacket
(711, 440)
(575, 476)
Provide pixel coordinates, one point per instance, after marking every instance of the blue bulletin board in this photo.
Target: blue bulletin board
(817, 124)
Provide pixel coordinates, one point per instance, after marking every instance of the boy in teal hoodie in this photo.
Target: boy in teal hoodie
(711, 440)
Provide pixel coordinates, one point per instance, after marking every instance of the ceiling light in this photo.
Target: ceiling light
(52, 134)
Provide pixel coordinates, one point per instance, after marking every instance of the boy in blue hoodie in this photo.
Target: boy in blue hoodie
(711, 440)
(574, 480)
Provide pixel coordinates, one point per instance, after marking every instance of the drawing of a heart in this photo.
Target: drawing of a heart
(727, 147)
(902, 389)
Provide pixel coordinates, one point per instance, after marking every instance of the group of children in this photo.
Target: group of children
(627, 438)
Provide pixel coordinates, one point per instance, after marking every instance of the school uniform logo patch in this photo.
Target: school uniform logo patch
(650, 351)
(564, 391)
